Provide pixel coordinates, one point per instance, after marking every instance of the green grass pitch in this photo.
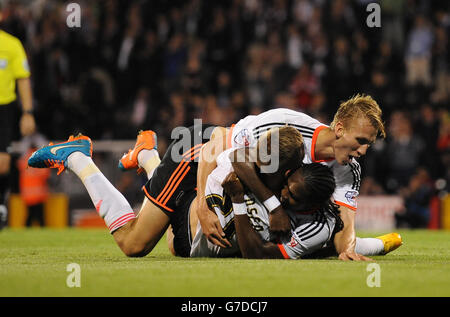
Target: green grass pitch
(33, 262)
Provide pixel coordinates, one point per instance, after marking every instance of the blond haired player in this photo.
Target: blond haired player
(13, 68)
(356, 125)
(171, 193)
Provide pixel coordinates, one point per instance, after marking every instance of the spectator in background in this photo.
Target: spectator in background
(403, 151)
(149, 59)
(319, 54)
(393, 13)
(417, 196)
(256, 79)
(286, 99)
(213, 114)
(294, 47)
(303, 11)
(174, 60)
(304, 85)
(223, 89)
(370, 187)
(360, 56)
(418, 53)
(281, 72)
(140, 110)
(339, 66)
(238, 103)
(441, 67)
(195, 77)
(339, 19)
(218, 39)
(443, 145)
(427, 127)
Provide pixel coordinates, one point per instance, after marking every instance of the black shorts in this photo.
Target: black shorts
(174, 182)
(7, 125)
(181, 228)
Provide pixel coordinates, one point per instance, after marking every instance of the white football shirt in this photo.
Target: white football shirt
(310, 231)
(247, 131)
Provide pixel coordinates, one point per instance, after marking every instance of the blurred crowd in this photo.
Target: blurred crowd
(160, 64)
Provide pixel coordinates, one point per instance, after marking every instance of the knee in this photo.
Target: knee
(134, 250)
(131, 247)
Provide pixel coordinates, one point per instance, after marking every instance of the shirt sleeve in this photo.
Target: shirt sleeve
(213, 190)
(302, 244)
(348, 182)
(19, 66)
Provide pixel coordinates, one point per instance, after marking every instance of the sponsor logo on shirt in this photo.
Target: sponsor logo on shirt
(351, 195)
(242, 138)
(293, 243)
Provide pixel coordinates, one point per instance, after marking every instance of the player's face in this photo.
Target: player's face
(354, 140)
(288, 196)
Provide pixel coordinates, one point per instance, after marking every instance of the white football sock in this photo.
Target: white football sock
(369, 246)
(109, 202)
(149, 161)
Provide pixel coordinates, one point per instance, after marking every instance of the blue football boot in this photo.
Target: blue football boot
(55, 155)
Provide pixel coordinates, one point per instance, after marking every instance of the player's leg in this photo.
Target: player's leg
(6, 134)
(144, 155)
(140, 234)
(378, 246)
(5, 161)
(381, 245)
(172, 181)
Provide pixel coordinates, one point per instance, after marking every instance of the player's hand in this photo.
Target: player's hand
(233, 187)
(213, 230)
(279, 223)
(352, 256)
(27, 124)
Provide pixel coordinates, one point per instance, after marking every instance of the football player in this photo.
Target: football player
(356, 125)
(306, 196)
(170, 191)
(172, 181)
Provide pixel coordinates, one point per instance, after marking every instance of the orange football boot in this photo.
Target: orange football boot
(145, 140)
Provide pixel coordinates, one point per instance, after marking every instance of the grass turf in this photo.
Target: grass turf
(33, 262)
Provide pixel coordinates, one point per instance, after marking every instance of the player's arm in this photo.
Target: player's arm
(27, 123)
(21, 73)
(245, 170)
(251, 244)
(345, 196)
(207, 163)
(345, 240)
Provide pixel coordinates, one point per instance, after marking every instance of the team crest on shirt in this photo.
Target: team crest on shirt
(3, 63)
(293, 243)
(351, 195)
(26, 66)
(242, 138)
